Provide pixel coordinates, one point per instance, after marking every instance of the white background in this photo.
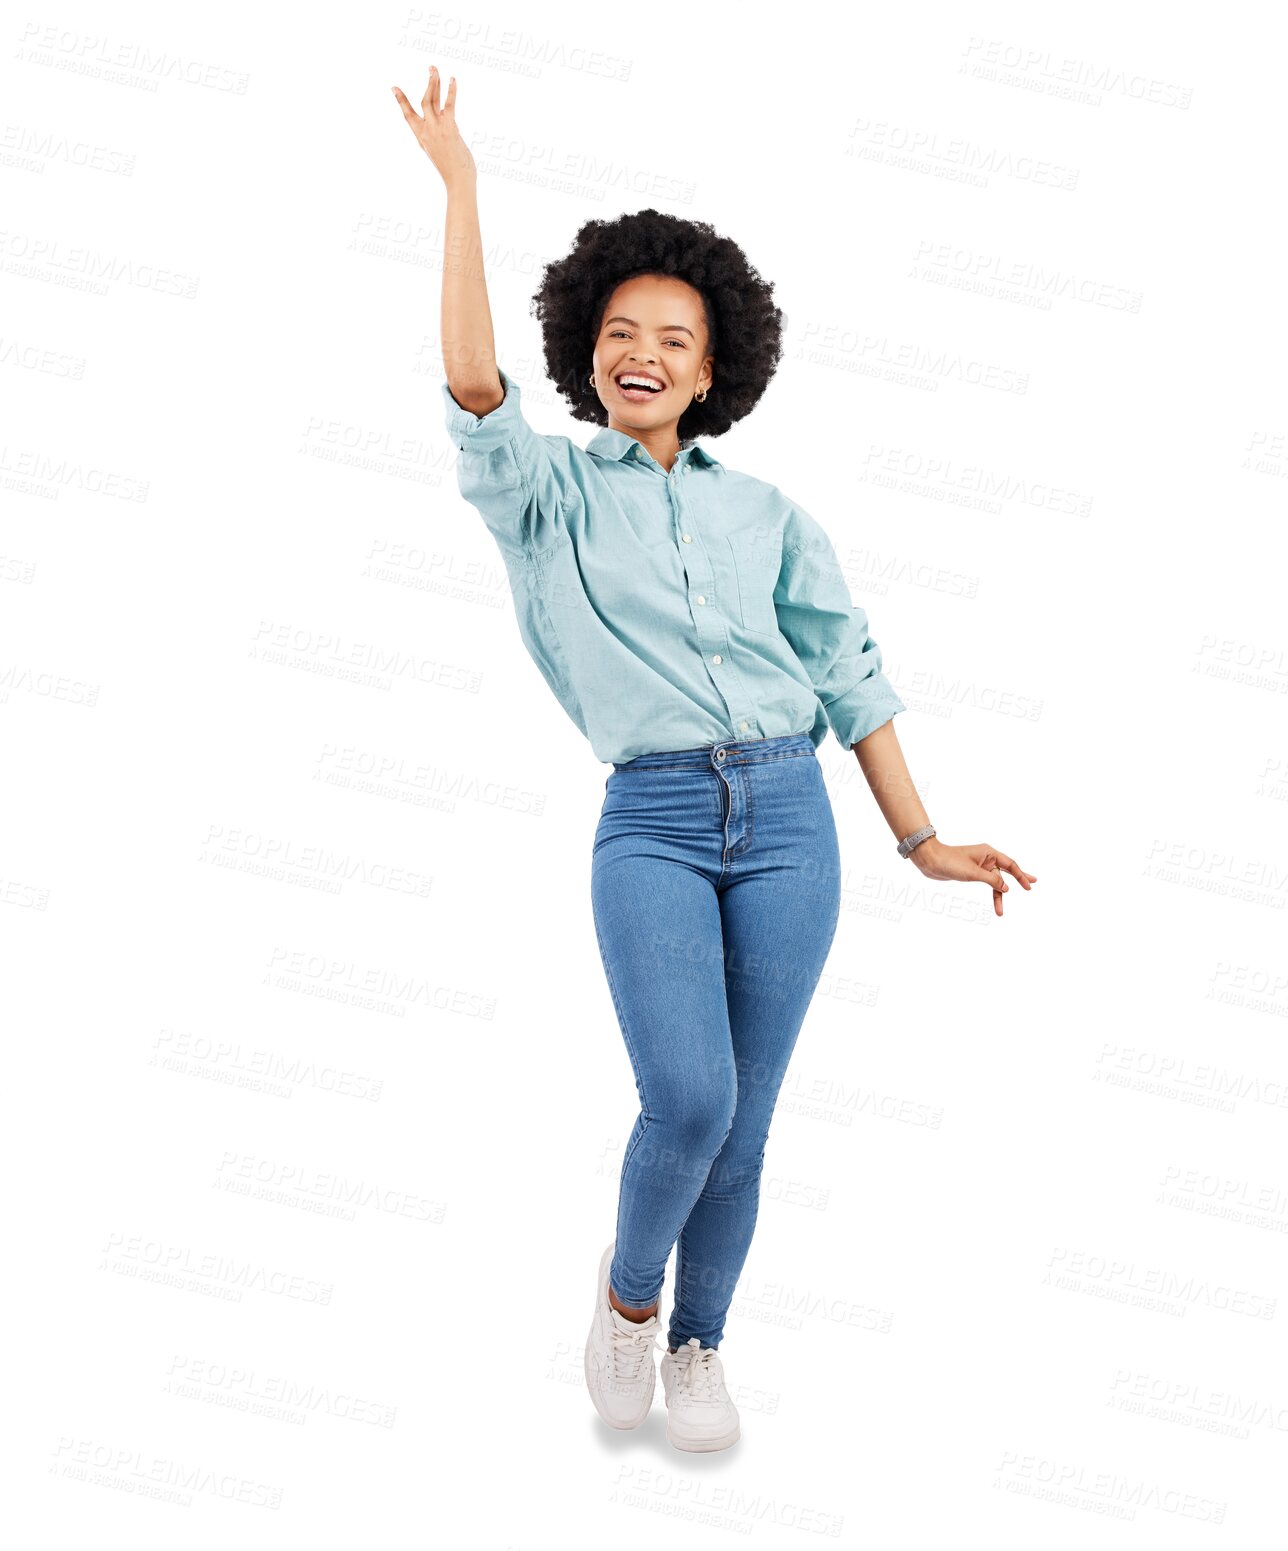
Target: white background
(1020, 1263)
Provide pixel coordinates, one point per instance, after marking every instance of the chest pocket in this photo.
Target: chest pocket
(757, 557)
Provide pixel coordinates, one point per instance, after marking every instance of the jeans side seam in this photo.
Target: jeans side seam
(630, 1049)
(678, 1299)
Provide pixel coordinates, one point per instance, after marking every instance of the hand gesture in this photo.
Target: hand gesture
(970, 864)
(439, 137)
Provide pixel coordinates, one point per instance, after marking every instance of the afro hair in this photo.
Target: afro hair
(744, 326)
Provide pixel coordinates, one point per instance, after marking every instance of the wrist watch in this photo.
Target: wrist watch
(909, 843)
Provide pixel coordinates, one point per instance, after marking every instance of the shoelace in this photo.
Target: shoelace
(701, 1373)
(630, 1348)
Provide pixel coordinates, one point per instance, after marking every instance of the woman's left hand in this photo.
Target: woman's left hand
(970, 864)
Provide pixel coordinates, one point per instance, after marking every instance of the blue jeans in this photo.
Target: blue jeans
(715, 886)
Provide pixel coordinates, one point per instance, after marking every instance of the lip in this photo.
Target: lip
(638, 395)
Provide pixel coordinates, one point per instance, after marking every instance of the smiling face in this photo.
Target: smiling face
(653, 329)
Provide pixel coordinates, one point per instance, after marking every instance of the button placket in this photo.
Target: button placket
(686, 537)
(715, 660)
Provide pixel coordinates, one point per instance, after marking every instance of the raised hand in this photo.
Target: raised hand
(436, 130)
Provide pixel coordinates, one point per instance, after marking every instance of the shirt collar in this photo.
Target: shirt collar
(607, 443)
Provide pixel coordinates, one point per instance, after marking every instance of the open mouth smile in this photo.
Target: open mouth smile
(638, 386)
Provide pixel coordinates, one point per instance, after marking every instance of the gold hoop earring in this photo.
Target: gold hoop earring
(592, 379)
(701, 397)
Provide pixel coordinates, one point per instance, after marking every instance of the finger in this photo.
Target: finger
(451, 96)
(430, 100)
(995, 882)
(409, 113)
(1012, 866)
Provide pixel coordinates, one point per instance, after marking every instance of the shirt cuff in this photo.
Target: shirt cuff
(484, 432)
(870, 704)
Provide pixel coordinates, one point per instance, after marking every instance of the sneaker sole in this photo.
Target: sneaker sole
(703, 1445)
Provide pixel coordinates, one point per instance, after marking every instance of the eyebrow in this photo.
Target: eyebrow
(667, 328)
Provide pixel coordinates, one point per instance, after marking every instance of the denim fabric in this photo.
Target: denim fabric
(715, 886)
(668, 609)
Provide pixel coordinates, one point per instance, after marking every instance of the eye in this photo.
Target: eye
(679, 342)
(615, 332)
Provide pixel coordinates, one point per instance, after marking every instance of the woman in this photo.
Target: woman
(695, 625)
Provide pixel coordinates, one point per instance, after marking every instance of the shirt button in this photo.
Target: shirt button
(717, 658)
(742, 726)
(687, 538)
(701, 599)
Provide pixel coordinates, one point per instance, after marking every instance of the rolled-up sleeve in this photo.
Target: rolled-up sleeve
(829, 633)
(506, 470)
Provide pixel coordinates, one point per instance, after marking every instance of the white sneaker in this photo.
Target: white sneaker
(700, 1413)
(620, 1372)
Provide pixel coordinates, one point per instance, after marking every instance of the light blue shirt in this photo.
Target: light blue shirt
(668, 610)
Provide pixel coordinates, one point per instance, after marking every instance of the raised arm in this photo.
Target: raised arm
(469, 347)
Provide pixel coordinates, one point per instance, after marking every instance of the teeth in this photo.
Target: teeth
(639, 382)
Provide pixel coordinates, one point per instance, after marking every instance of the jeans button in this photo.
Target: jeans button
(720, 753)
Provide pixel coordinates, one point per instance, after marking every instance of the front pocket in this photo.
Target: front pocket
(756, 561)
